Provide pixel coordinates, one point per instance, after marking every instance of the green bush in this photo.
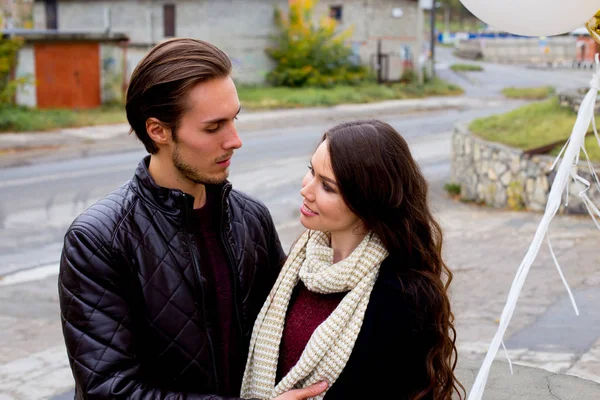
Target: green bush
(452, 188)
(409, 76)
(25, 119)
(309, 55)
(9, 48)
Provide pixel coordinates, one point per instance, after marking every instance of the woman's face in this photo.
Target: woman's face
(323, 208)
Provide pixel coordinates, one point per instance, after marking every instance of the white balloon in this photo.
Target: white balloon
(534, 17)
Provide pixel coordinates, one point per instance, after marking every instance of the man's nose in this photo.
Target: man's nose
(233, 141)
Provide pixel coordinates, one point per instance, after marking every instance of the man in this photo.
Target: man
(161, 281)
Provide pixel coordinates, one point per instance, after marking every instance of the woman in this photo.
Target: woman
(362, 300)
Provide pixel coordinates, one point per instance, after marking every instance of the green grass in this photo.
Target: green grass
(466, 68)
(452, 188)
(531, 93)
(446, 45)
(22, 119)
(532, 126)
(260, 97)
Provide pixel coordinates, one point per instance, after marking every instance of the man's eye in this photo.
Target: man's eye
(213, 128)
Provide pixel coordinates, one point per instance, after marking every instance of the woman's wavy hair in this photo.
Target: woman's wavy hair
(382, 184)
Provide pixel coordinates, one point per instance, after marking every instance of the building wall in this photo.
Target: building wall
(241, 28)
(110, 79)
(39, 15)
(373, 20)
(111, 72)
(16, 14)
(26, 94)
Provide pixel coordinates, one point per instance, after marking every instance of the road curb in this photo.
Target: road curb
(19, 149)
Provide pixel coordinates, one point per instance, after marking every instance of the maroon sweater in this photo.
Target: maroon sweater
(218, 296)
(307, 310)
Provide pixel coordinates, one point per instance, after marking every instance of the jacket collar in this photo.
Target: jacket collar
(170, 201)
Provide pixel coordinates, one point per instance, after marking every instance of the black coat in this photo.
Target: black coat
(388, 360)
(131, 290)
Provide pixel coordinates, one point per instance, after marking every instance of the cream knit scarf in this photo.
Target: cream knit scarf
(329, 347)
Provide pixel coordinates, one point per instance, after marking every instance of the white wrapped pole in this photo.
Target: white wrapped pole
(566, 171)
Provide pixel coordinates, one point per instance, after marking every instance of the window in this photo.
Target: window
(335, 12)
(51, 14)
(169, 20)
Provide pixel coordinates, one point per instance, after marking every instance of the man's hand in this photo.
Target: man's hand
(304, 393)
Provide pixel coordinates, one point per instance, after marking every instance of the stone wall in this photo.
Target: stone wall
(521, 50)
(572, 99)
(502, 176)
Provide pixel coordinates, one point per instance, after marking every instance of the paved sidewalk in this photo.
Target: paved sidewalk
(35, 147)
(527, 383)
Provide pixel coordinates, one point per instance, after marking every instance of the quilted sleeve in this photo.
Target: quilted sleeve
(276, 253)
(97, 326)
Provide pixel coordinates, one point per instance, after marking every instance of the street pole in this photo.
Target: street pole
(379, 63)
(447, 17)
(432, 15)
(420, 32)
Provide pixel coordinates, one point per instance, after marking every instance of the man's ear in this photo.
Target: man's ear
(157, 131)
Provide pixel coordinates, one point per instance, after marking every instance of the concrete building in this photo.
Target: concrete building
(242, 28)
(118, 33)
(16, 14)
(390, 24)
(69, 69)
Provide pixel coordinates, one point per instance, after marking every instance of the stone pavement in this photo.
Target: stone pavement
(484, 248)
(527, 383)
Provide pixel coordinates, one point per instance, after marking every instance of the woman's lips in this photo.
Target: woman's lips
(307, 211)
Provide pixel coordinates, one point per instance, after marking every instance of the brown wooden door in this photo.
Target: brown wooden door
(67, 75)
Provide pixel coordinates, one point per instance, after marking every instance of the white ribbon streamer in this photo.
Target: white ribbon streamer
(566, 170)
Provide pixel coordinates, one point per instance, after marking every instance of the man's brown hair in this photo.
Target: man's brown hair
(160, 83)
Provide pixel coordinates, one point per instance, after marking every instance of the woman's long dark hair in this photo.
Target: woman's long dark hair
(382, 184)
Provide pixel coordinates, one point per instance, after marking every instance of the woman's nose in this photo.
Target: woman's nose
(306, 191)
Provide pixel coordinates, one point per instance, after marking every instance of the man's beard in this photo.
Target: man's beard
(192, 174)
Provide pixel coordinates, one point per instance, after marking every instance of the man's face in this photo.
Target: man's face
(206, 136)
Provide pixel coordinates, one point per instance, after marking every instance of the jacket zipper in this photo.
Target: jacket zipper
(199, 279)
(234, 280)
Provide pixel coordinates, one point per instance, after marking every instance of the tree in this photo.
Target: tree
(455, 7)
(9, 48)
(311, 55)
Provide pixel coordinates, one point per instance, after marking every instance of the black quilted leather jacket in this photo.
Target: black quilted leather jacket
(131, 290)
